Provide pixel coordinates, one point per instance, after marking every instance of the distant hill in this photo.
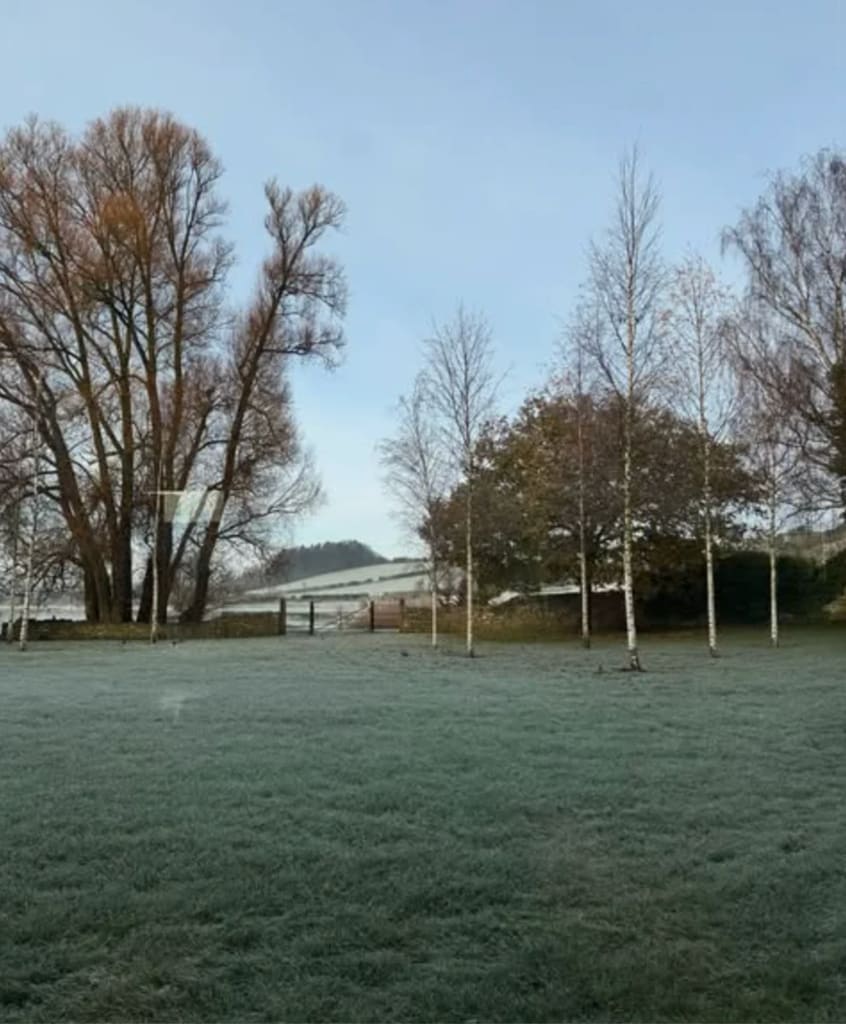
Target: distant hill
(297, 563)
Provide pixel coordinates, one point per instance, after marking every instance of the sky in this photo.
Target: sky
(474, 143)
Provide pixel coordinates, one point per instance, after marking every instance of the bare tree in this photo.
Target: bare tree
(417, 475)
(459, 383)
(793, 244)
(768, 429)
(112, 265)
(702, 382)
(580, 335)
(627, 280)
(776, 462)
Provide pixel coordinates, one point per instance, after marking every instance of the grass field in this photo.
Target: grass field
(328, 829)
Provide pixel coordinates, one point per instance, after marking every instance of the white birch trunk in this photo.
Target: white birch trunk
(469, 580)
(628, 575)
(585, 595)
(773, 562)
(434, 587)
(583, 573)
(710, 601)
(709, 585)
(154, 609)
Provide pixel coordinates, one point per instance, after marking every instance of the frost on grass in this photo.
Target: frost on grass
(330, 816)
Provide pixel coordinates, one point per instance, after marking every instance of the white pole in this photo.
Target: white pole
(30, 555)
(434, 587)
(154, 612)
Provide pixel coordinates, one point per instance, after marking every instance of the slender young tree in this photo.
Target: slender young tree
(703, 389)
(580, 332)
(459, 383)
(775, 460)
(628, 280)
(416, 474)
(769, 432)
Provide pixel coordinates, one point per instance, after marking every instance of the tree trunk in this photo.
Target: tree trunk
(709, 585)
(469, 580)
(30, 555)
(584, 586)
(711, 606)
(202, 576)
(434, 587)
(16, 528)
(702, 385)
(145, 601)
(122, 574)
(628, 575)
(773, 569)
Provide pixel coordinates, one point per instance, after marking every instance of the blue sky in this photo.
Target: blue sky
(474, 143)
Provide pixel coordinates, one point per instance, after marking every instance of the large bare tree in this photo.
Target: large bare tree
(461, 387)
(113, 270)
(417, 474)
(627, 280)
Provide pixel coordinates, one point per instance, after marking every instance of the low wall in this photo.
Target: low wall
(226, 626)
(531, 619)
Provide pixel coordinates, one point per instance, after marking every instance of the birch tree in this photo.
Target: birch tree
(627, 279)
(703, 389)
(775, 460)
(459, 383)
(579, 335)
(416, 474)
(768, 430)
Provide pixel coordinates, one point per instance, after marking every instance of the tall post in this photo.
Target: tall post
(401, 614)
(469, 569)
(311, 618)
(773, 540)
(372, 616)
(30, 555)
(282, 625)
(154, 615)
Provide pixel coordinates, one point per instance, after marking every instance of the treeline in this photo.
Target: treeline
(675, 595)
(296, 563)
(681, 419)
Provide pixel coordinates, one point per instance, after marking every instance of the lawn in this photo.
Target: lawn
(358, 828)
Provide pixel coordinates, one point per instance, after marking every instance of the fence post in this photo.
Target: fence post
(282, 627)
(372, 616)
(401, 614)
(311, 618)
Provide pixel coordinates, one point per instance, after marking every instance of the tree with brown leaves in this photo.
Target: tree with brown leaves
(112, 286)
